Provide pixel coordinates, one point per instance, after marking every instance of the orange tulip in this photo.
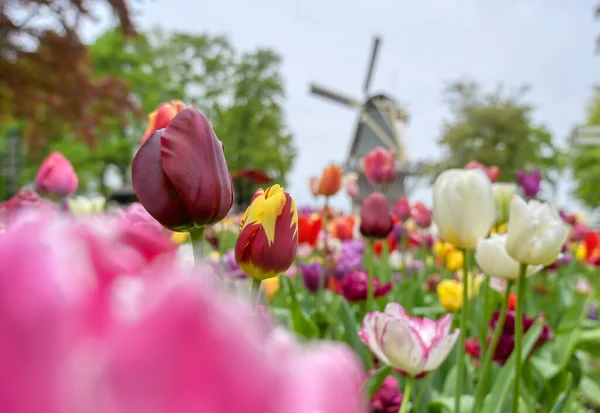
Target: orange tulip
(329, 183)
(161, 117)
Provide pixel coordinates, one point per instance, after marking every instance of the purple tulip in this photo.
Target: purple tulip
(530, 182)
(230, 267)
(350, 259)
(593, 312)
(355, 284)
(312, 275)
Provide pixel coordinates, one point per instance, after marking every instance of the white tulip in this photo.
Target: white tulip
(503, 193)
(81, 205)
(463, 206)
(492, 258)
(536, 233)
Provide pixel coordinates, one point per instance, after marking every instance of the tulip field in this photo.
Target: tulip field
(483, 300)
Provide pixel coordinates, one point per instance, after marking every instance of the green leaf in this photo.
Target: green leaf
(504, 380)
(374, 381)
(590, 390)
(546, 368)
(351, 335)
(301, 323)
(589, 341)
(446, 404)
(561, 402)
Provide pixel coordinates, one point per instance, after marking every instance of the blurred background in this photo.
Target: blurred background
(285, 84)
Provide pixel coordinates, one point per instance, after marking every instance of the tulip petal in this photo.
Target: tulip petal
(152, 187)
(440, 350)
(368, 335)
(193, 160)
(395, 310)
(403, 347)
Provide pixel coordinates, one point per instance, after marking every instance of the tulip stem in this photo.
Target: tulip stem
(369, 267)
(521, 282)
(197, 237)
(406, 394)
(255, 292)
(464, 312)
(489, 353)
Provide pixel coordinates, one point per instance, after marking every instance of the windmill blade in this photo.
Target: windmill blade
(333, 95)
(371, 67)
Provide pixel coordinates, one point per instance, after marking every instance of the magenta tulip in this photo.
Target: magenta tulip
(402, 208)
(380, 166)
(375, 218)
(56, 177)
(180, 174)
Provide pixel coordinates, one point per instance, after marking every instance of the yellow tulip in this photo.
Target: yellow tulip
(450, 295)
(270, 286)
(581, 252)
(454, 260)
(441, 249)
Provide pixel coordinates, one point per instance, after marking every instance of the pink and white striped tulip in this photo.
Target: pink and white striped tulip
(410, 345)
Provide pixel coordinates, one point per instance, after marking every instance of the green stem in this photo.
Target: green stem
(197, 237)
(463, 331)
(483, 319)
(255, 292)
(406, 395)
(521, 282)
(370, 271)
(487, 359)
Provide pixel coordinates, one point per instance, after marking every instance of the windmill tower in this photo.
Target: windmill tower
(380, 123)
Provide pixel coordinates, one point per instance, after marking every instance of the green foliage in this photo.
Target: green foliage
(585, 161)
(241, 94)
(496, 129)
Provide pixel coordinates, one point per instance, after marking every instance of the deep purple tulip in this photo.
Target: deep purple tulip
(388, 398)
(398, 231)
(375, 218)
(530, 182)
(180, 174)
(593, 312)
(312, 275)
(355, 284)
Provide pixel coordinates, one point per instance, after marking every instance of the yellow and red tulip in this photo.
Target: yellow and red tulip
(266, 246)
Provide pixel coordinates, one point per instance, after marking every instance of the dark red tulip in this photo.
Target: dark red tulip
(180, 174)
(375, 218)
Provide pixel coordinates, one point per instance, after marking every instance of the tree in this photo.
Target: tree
(496, 129)
(46, 78)
(585, 161)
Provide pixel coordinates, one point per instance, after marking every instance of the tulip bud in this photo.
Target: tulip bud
(492, 258)
(421, 215)
(329, 183)
(503, 193)
(536, 232)
(160, 118)
(375, 219)
(450, 293)
(180, 174)
(463, 206)
(380, 166)
(56, 177)
(266, 246)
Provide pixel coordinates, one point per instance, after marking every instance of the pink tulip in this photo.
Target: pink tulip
(95, 318)
(493, 172)
(56, 177)
(421, 215)
(402, 208)
(380, 166)
(412, 345)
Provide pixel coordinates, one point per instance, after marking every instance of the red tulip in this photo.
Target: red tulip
(180, 174)
(56, 177)
(343, 227)
(380, 166)
(493, 172)
(309, 227)
(375, 219)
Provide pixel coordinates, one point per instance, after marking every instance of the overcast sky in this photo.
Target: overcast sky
(426, 43)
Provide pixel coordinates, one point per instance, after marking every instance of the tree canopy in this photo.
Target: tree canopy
(496, 129)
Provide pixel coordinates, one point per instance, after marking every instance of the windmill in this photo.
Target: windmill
(379, 123)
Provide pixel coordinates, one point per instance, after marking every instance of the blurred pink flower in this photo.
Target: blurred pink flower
(411, 345)
(136, 214)
(421, 215)
(96, 317)
(379, 166)
(493, 172)
(56, 177)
